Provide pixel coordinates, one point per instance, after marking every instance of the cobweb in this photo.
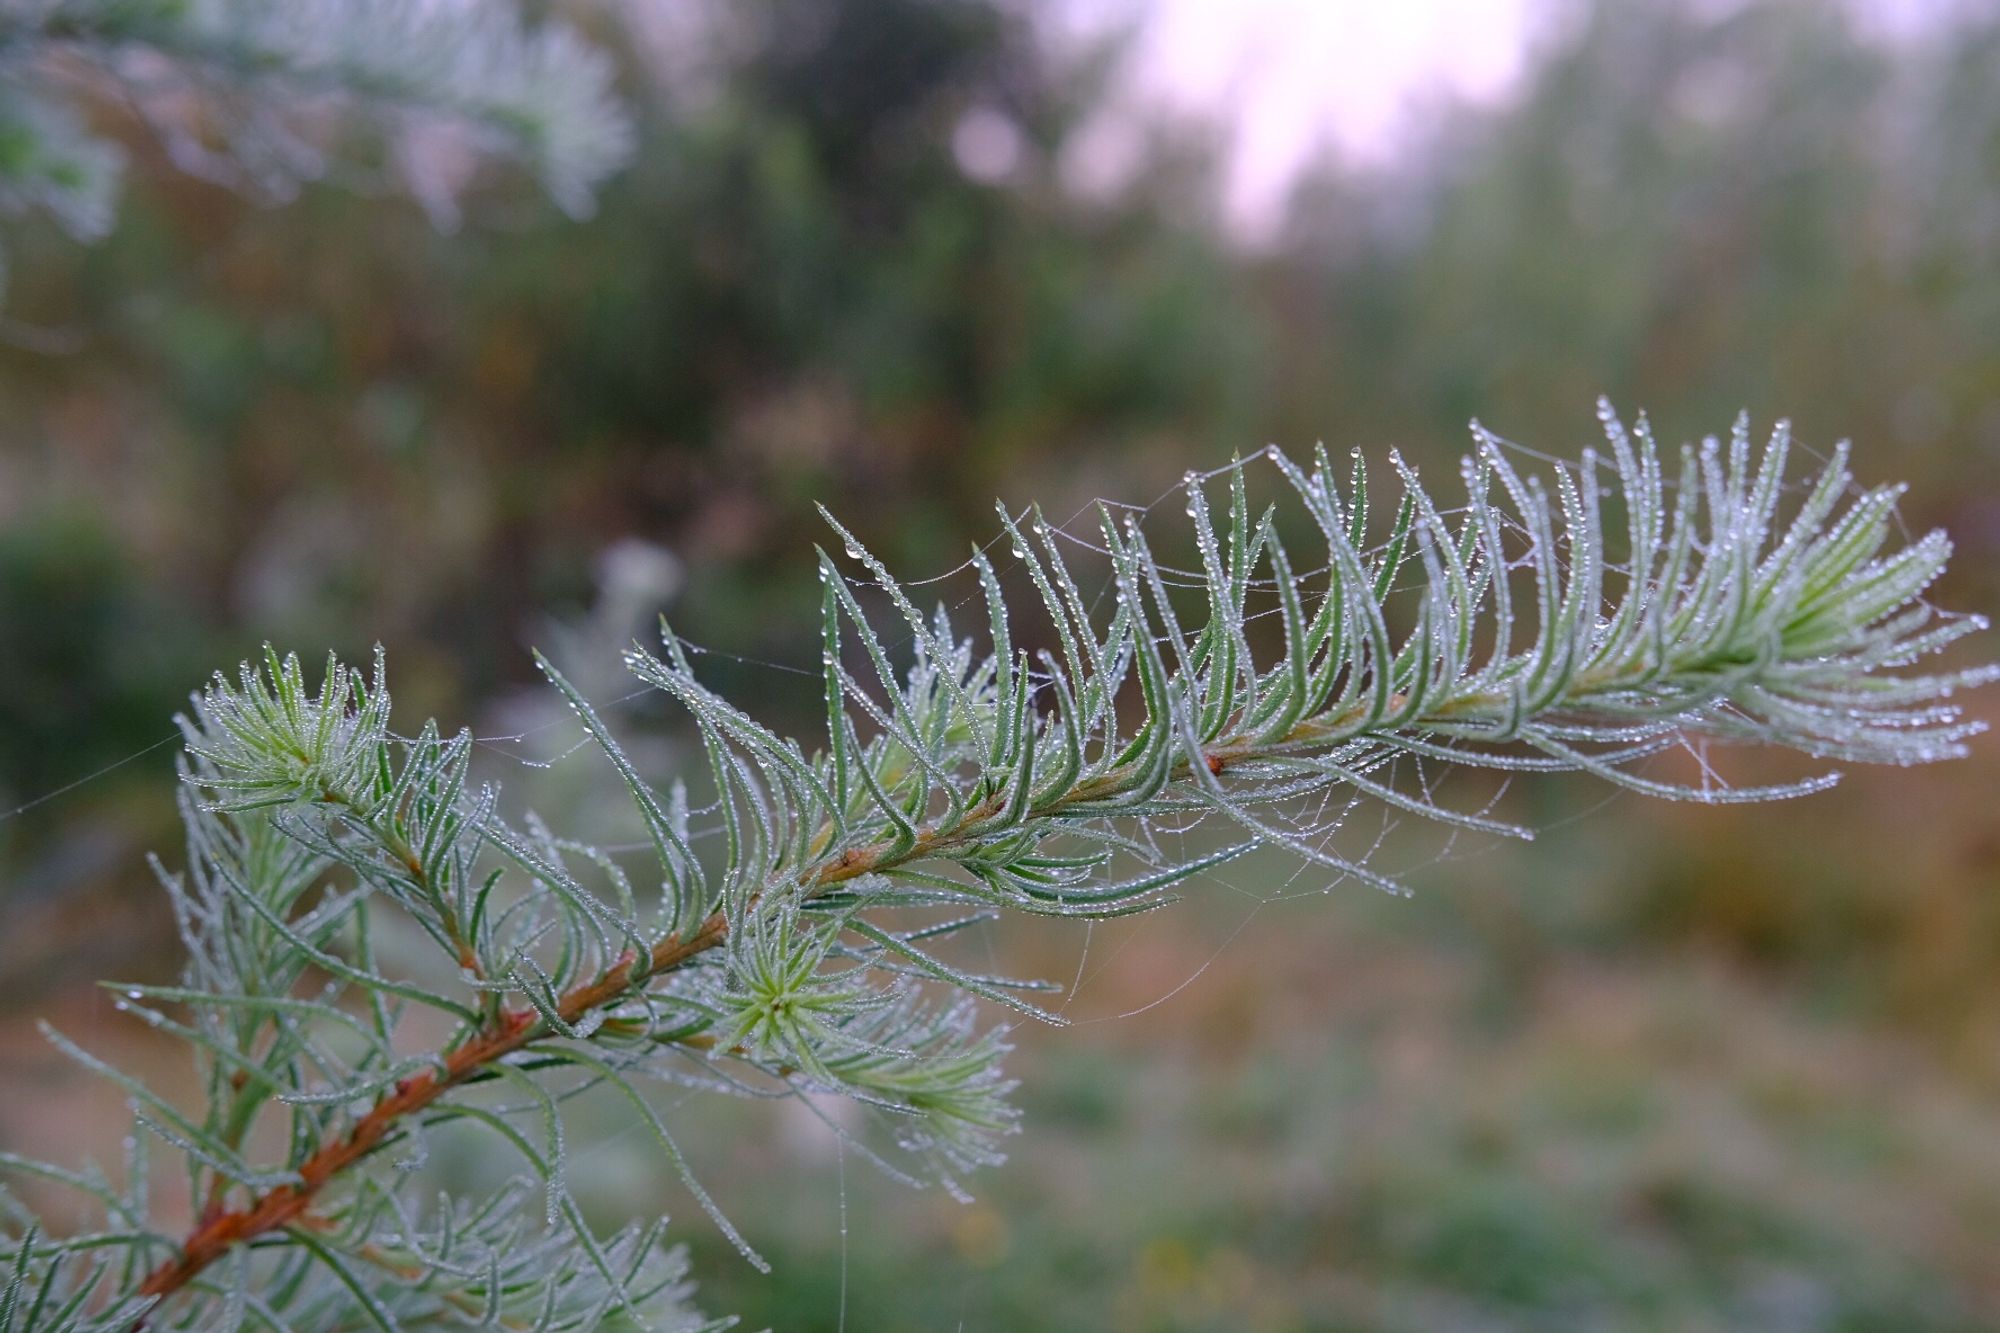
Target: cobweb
(1368, 828)
(1371, 832)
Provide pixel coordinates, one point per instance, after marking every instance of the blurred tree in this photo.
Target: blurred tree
(1764, 209)
(239, 92)
(800, 291)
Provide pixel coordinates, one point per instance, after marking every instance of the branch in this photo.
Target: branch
(514, 1030)
(995, 779)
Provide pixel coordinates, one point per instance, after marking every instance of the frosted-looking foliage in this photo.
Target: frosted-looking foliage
(792, 925)
(264, 94)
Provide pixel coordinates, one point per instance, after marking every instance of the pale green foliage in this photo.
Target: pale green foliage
(460, 78)
(793, 933)
(49, 161)
(270, 743)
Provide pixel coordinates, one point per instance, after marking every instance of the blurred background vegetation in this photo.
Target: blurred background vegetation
(1663, 1069)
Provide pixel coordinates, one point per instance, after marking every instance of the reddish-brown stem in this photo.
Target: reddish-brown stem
(511, 1029)
(217, 1231)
